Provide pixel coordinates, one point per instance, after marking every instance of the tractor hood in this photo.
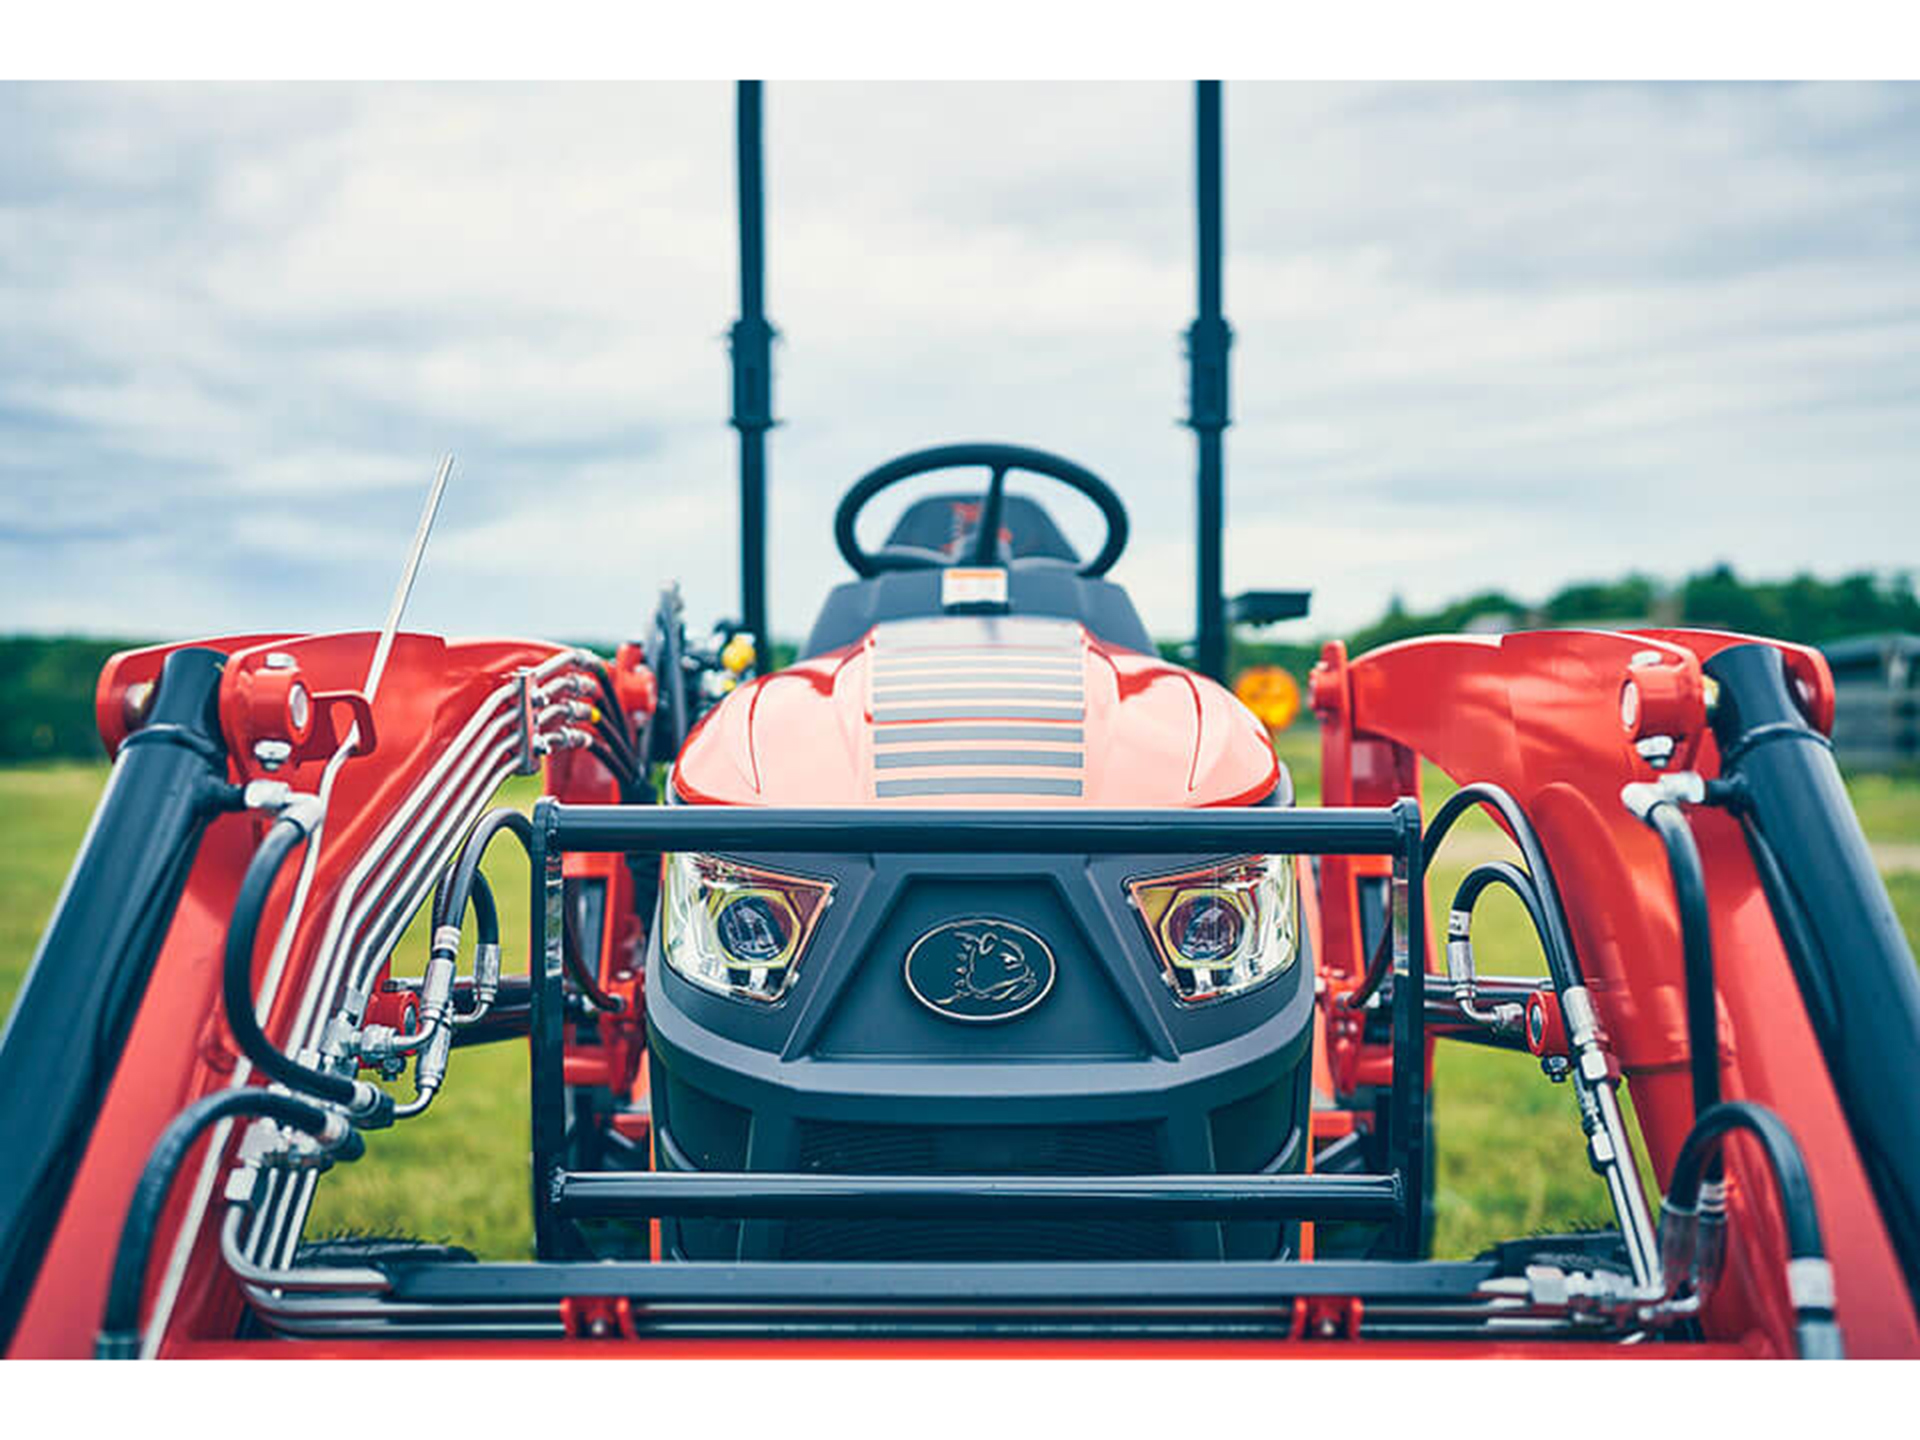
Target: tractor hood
(979, 711)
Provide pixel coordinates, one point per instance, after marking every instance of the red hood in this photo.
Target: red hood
(972, 711)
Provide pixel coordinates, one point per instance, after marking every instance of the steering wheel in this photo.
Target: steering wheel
(985, 547)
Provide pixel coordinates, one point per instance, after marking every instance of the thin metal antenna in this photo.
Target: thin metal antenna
(407, 574)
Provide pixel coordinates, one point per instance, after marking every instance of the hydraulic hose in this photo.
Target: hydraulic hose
(467, 865)
(1809, 1277)
(1377, 966)
(1607, 1142)
(486, 915)
(624, 777)
(577, 967)
(1660, 810)
(460, 884)
(1460, 967)
(1510, 876)
(119, 1337)
(597, 668)
(367, 1103)
(1552, 918)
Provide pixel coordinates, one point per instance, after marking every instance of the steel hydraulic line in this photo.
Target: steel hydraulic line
(458, 758)
(476, 787)
(394, 907)
(373, 879)
(402, 897)
(433, 1041)
(189, 1229)
(373, 947)
(1608, 1150)
(312, 1278)
(437, 782)
(383, 911)
(461, 753)
(120, 1319)
(477, 796)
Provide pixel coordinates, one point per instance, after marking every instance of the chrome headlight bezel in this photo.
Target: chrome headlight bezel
(1220, 931)
(699, 891)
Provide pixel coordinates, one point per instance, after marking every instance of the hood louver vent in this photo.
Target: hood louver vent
(1002, 717)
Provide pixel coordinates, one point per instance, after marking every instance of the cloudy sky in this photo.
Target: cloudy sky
(1487, 336)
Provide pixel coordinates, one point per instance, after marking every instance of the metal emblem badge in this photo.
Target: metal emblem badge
(979, 970)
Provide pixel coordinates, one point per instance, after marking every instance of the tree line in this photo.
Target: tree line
(47, 682)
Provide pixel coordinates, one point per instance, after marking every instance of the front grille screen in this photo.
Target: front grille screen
(844, 1149)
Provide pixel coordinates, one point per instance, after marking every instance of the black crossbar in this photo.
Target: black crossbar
(1348, 831)
(888, 1284)
(657, 1194)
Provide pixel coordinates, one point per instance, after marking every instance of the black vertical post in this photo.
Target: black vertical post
(1407, 1106)
(546, 1035)
(1207, 343)
(752, 348)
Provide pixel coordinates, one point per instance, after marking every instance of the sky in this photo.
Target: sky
(1486, 336)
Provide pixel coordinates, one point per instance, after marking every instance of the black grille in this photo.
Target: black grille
(843, 1149)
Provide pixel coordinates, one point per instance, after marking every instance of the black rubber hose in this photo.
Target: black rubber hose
(282, 840)
(1557, 939)
(604, 678)
(1377, 966)
(119, 1337)
(1696, 944)
(624, 778)
(1493, 872)
(467, 865)
(1816, 1331)
(1512, 877)
(486, 915)
(577, 966)
(466, 862)
(611, 733)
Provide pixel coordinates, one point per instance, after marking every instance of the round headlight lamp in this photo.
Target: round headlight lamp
(1204, 928)
(757, 927)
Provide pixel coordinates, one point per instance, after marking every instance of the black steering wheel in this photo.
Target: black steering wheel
(983, 547)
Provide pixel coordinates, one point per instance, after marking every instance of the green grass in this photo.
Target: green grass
(1510, 1152)
(44, 810)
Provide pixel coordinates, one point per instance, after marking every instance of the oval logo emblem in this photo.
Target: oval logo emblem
(980, 970)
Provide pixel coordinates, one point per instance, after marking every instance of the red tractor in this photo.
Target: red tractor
(973, 981)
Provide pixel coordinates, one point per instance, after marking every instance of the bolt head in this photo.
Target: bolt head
(1656, 750)
(272, 754)
(278, 660)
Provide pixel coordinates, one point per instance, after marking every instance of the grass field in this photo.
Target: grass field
(1510, 1153)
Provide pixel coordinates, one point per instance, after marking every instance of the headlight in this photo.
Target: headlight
(736, 929)
(1223, 930)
